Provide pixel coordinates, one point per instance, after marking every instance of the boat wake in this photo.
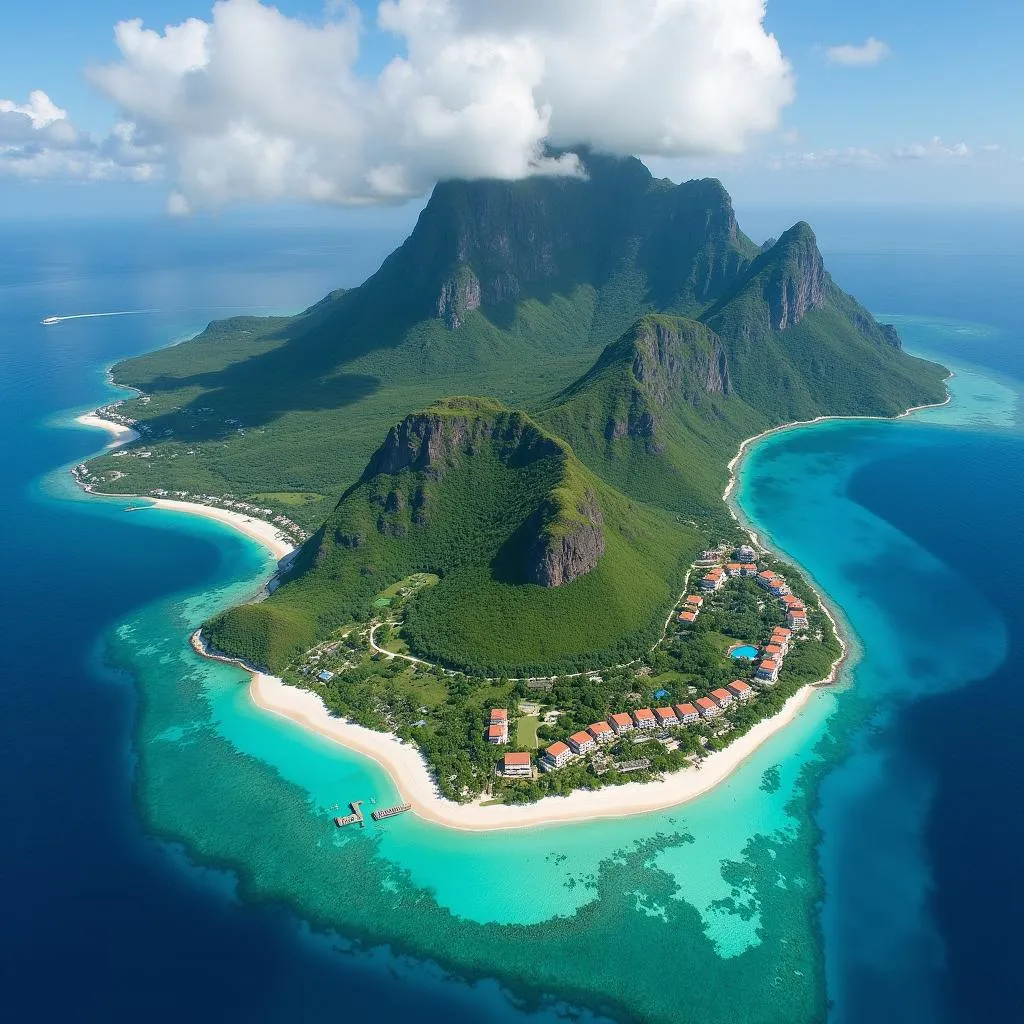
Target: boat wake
(84, 316)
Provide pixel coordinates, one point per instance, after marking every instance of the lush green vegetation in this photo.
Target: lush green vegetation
(644, 336)
(474, 516)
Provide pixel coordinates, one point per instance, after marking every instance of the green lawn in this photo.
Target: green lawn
(526, 731)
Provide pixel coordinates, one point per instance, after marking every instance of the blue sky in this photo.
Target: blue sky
(923, 107)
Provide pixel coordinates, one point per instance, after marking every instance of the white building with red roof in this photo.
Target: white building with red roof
(644, 718)
(666, 717)
(621, 723)
(708, 708)
(722, 697)
(741, 690)
(601, 731)
(687, 713)
(516, 766)
(558, 754)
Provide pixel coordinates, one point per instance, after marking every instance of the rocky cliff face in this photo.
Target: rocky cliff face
(459, 295)
(558, 557)
(799, 281)
(428, 441)
(673, 359)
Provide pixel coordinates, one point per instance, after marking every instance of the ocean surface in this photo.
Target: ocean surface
(168, 849)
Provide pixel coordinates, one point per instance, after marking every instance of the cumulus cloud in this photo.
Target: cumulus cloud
(38, 141)
(252, 104)
(871, 51)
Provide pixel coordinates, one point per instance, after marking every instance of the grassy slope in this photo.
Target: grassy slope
(469, 528)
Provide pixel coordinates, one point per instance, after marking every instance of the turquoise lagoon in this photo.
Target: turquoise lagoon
(736, 889)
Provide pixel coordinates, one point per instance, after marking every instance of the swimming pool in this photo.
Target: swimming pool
(743, 651)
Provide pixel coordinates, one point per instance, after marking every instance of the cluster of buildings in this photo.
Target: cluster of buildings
(796, 610)
(581, 743)
(771, 657)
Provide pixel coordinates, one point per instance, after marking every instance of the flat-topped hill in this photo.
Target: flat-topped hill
(540, 562)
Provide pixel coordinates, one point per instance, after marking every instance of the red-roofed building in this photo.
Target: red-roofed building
(666, 717)
(748, 569)
(779, 587)
(582, 742)
(688, 618)
(516, 766)
(713, 580)
(722, 697)
(498, 721)
(733, 568)
(601, 731)
(644, 718)
(558, 754)
(708, 708)
(741, 690)
(768, 671)
(687, 713)
(695, 601)
(621, 723)
(792, 601)
(765, 578)
(797, 620)
(774, 651)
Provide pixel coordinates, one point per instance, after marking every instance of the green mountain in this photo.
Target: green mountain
(641, 331)
(540, 562)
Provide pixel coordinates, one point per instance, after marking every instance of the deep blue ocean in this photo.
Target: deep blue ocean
(105, 922)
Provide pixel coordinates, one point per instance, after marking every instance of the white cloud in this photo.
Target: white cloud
(38, 141)
(933, 149)
(252, 104)
(871, 51)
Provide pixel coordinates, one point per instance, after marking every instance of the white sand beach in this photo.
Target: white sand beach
(407, 768)
(121, 434)
(255, 529)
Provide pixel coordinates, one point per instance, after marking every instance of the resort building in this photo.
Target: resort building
(644, 718)
(797, 620)
(497, 734)
(722, 697)
(766, 578)
(741, 690)
(582, 742)
(733, 568)
(775, 652)
(686, 713)
(621, 723)
(768, 671)
(601, 731)
(558, 754)
(688, 618)
(745, 553)
(695, 601)
(748, 569)
(498, 720)
(516, 766)
(666, 717)
(792, 602)
(708, 556)
(713, 580)
(708, 708)
(778, 587)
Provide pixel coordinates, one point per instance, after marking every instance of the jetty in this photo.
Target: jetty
(390, 812)
(351, 819)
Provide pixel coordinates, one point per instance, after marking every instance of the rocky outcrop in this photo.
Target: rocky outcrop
(563, 553)
(428, 441)
(799, 281)
(459, 295)
(673, 359)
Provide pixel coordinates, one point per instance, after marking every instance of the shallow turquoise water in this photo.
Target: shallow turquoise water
(728, 887)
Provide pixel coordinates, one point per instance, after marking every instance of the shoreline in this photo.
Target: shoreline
(259, 530)
(407, 767)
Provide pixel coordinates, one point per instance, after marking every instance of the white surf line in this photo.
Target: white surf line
(84, 316)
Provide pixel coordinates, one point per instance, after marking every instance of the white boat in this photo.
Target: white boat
(52, 320)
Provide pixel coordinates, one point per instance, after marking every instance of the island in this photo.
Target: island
(503, 462)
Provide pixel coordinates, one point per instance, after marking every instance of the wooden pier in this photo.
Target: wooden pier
(390, 812)
(351, 819)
